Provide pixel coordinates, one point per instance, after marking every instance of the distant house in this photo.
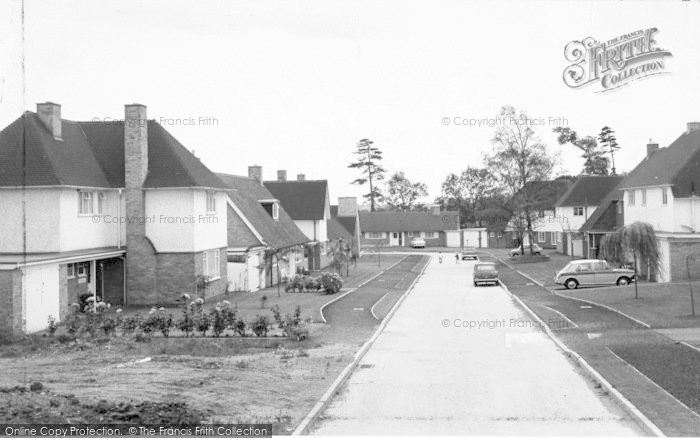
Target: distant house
(262, 237)
(663, 191)
(118, 210)
(307, 202)
(344, 224)
(606, 219)
(393, 228)
(576, 206)
(541, 198)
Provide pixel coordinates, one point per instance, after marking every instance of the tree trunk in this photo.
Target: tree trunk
(636, 278)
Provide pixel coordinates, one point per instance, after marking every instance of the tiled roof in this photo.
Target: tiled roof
(543, 195)
(603, 218)
(588, 190)
(91, 154)
(341, 227)
(408, 221)
(677, 165)
(247, 193)
(303, 200)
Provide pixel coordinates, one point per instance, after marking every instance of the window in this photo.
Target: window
(630, 197)
(85, 202)
(541, 236)
(100, 202)
(71, 270)
(374, 235)
(430, 235)
(82, 269)
(409, 234)
(211, 202)
(210, 262)
(584, 267)
(272, 208)
(558, 236)
(664, 195)
(492, 234)
(578, 211)
(553, 236)
(644, 197)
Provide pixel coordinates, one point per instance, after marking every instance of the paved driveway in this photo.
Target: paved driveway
(429, 373)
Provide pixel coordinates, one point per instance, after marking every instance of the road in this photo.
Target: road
(429, 373)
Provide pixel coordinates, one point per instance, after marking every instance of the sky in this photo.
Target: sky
(295, 84)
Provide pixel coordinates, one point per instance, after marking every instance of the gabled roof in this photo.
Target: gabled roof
(341, 227)
(91, 154)
(588, 190)
(604, 217)
(677, 165)
(379, 221)
(246, 195)
(542, 195)
(303, 200)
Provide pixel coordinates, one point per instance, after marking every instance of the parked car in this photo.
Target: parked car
(417, 242)
(536, 249)
(468, 255)
(485, 273)
(593, 272)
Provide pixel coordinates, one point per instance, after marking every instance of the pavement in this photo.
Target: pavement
(457, 359)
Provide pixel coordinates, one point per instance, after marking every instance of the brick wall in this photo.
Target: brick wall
(6, 296)
(678, 253)
(63, 303)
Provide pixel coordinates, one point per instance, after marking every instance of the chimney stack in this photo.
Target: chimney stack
(282, 175)
(347, 206)
(301, 177)
(50, 114)
(651, 148)
(255, 172)
(135, 145)
(435, 209)
(693, 126)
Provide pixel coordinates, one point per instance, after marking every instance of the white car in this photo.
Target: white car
(536, 249)
(417, 242)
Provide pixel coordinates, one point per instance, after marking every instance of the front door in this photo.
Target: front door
(394, 239)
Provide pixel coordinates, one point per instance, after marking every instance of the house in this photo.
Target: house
(606, 219)
(397, 228)
(576, 205)
(344, 224)
(663, 191)
(119, 210)
(308, 203)
(264, 243)
(540, 198)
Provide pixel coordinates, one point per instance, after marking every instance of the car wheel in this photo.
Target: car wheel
(515, 254)
(476, 284)
(623, 281)
(571, 284)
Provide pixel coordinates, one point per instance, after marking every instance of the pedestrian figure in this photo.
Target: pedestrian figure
(457, 257)
(440, 256)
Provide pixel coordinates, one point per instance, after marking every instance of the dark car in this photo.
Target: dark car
(485, 273)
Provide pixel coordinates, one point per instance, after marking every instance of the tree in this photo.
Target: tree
(469, 193)
(637, 239)
(341, 255)
(518, 158)
(368, 160)
(595, 161)
(402, 194)
(608, 140)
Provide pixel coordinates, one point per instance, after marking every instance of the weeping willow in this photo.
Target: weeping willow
(637, 240)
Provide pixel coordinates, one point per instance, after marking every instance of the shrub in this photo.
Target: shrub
(186, 323)
(202, 322)
(277, 315)
(53, 325)
(222, 316)
(260, 325)
(108, 325)
(157, 320)
(240, 327)
(331, 282)
(129, 324)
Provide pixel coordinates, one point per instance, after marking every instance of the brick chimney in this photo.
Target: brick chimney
(255, 172)
(347, 206)
(282, 175)
(435, 209)
(141, 261)
(651, 148)
(301, 177)
(50, 114)
(693, 126)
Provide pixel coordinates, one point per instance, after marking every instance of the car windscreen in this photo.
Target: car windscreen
(485, 267)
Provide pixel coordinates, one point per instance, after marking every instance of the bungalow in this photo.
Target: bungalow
(118, 210)
(662, 190)
(345, 223)
(307, 202)
(264, 243)
(576, 205)
(397, 228)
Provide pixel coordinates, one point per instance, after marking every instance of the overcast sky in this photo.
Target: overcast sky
(294, 85)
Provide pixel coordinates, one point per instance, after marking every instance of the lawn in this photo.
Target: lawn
(661, 305)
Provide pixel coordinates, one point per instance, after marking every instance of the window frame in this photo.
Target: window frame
(578, 211)
(70, 270)
(644, 197)
(664, 195)
(430, 235)
(86, 199)
(374, 235)
(210, 202)
(541, 238)
(101, 198)
(206, 260)
(630, 197)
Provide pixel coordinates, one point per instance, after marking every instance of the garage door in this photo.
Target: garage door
(40, 287)
(453, 239)
(577, 248)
